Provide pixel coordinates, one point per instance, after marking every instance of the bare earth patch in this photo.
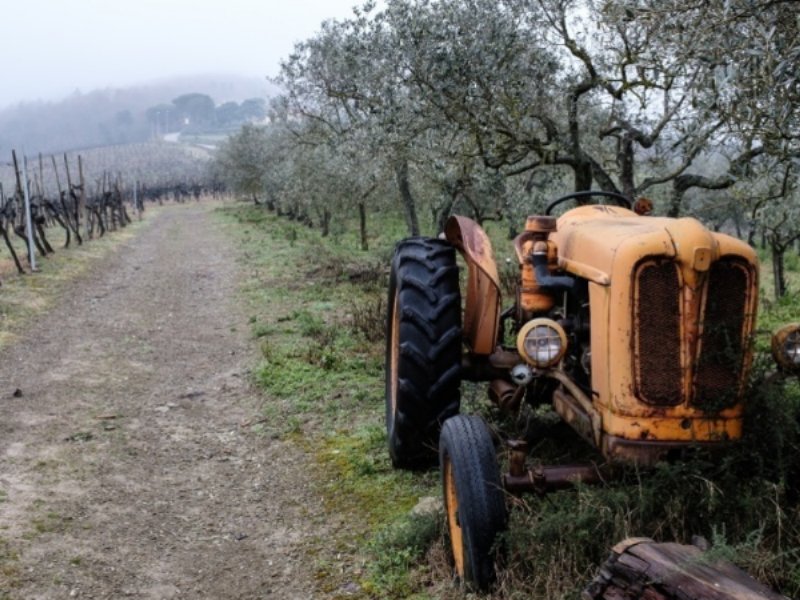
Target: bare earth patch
(131, 466)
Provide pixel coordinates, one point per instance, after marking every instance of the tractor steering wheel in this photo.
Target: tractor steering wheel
(619, 199)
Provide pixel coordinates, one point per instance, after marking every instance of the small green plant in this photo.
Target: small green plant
(261, 330)
(369, 318)
(323, 356)
(308, 323)
(397, 550)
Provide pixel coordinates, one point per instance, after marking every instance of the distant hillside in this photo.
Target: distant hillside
(112, 116)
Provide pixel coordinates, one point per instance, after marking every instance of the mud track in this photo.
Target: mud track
(130, 464)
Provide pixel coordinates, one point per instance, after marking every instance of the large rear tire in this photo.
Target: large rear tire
(474, 500)
(423, 349)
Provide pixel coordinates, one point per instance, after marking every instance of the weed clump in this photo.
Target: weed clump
(369, 318)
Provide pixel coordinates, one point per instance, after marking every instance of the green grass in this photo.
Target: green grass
(317, 307)
(317, 312)
(9, 568)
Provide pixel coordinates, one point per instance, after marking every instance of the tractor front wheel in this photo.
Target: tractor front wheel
(474, 500)
(423, 349)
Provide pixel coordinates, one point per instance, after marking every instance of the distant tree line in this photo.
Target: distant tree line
(114, 117)
(198, 113)
(489, 107)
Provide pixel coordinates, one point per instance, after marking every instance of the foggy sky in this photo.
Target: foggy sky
(58, 46)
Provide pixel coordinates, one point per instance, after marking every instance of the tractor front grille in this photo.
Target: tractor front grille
(657, 333)
(722, 344)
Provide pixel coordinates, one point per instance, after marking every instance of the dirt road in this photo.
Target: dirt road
(130, 468)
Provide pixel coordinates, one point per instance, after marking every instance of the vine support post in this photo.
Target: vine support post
(82, 199)
(28, 223)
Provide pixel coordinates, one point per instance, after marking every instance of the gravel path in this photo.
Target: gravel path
(131, 466)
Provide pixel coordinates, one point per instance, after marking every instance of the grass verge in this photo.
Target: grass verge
(317, 309)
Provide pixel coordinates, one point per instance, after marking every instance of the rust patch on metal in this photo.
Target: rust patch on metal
(544, 479)
(482, 308)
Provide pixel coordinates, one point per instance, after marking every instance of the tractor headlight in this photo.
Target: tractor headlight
(542, 343)
(786, 347)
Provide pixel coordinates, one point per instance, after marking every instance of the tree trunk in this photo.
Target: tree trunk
(70, 219)
(81, 207)
(510, 218)
(326, 222)
(583, 178)
(751, 236)
(406, 198)
(67, 234)
(641, 568)
(676, 200)
(582, 168)
(362, 225)
(625, 160)
(100, 224)
(10, 247)
(125, 218)
(778, 270)
(444, 212)
(39, 227)
(21, 233)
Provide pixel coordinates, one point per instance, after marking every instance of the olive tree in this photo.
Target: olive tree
(243, 160)
(774, 200)
(470, 105)
(343, 82)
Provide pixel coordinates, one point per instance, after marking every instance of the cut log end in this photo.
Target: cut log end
(640, 568)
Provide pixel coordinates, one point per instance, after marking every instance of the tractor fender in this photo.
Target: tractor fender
(482, 307)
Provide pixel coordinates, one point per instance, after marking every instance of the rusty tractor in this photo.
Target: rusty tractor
(635, 329)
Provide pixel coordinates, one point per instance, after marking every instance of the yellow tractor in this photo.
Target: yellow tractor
(636, 329)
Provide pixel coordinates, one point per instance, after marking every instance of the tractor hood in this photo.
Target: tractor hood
(672, 310)
(591, 240)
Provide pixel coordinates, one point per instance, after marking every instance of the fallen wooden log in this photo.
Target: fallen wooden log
(640, 568)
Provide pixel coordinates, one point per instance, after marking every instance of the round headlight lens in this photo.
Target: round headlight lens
(791, 347)
(786, 347)
(542, 343)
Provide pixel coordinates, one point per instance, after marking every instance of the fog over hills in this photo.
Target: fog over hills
(112, 115)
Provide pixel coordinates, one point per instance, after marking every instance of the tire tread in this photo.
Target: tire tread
(425, 279)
